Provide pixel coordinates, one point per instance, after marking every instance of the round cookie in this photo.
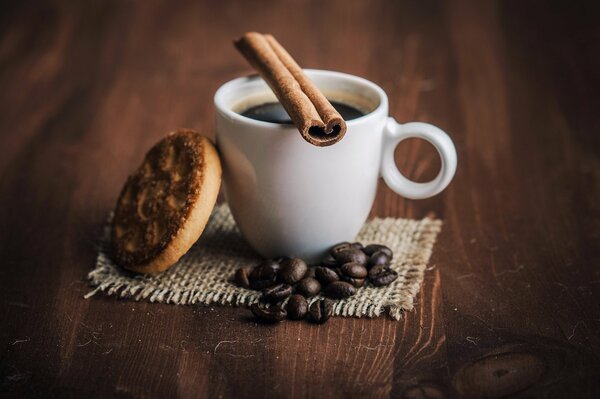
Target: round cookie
(164, 206)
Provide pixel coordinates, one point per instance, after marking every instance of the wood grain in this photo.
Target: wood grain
(510, 305)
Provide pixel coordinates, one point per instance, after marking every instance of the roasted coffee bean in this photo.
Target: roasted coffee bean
(326, 275)
(379, 258)
(356, 282)
(339, 290)
(259, 285)
(329, 261)
(357, 245)
(342, 246)
(372, 248)
(311, 272)
(264, 270)
(280, 259)
(351, 255)
(320, 311)
(272, 314)
(375, 271)
(308, 287)
(297, 307)
(241, 277)
(385, 277)
(354, 270)
(263, 275)
(276, 293)
(292, 270)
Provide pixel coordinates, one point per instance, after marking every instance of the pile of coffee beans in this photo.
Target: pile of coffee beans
(347, 267)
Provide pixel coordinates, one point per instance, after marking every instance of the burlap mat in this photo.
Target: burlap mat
(202, 275)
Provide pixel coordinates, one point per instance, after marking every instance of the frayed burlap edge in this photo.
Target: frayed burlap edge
(201, 276)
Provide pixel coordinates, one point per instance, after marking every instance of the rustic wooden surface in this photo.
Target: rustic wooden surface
(511, 303)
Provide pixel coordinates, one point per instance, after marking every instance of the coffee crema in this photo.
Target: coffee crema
(275, 113)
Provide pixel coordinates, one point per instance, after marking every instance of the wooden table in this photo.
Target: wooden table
(511, 301)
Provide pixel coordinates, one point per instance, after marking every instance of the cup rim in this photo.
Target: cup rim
(226, 88)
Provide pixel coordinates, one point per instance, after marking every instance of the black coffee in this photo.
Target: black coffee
(275, 113)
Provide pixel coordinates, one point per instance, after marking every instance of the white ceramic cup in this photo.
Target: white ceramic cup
(289, 197)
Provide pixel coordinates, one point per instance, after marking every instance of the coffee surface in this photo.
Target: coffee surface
(275, 113)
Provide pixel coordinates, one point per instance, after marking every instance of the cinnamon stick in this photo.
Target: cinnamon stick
(317, 120)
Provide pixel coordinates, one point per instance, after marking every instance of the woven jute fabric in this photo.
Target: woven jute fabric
(202, 275)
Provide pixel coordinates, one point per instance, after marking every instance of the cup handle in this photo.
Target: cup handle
(393, 134)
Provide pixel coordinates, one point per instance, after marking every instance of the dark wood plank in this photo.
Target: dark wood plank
(510, 305)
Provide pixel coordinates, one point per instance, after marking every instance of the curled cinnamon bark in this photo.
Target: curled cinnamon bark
(314, 116)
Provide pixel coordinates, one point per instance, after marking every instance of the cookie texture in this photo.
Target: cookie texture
(165, 204)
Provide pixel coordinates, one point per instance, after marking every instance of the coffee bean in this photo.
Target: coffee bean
(259, 285)
(342, 246)
(264, 270)
(329, 261)
(354, 270)
(384, 277)
(375, 271)
(357, 245)
(263, 275)
(326, 275)
(351, 255)
(379, 258)
(271, 314)
(292, 270)
(339, 290)
(308, 287)
(320, 311)
(372, 248)
(241, 277)
(297, 307)
(356, 282)
(311, 272)
(276, 293)
(280, 259)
